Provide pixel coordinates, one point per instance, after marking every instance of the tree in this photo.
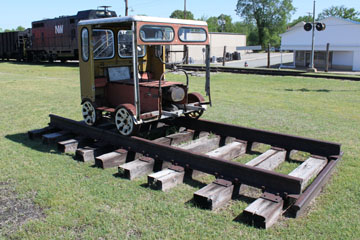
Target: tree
(1, 30)
(228, 26)
(20, 28)
(269, 16)
(249, 30)
(340, 11)
(306, 18)
(180, 14)
(253, 38)
(214, 26)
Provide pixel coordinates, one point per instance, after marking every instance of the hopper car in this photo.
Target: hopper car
(122, 70)
(48, 39)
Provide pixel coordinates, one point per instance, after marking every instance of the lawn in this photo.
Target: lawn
(77, 201)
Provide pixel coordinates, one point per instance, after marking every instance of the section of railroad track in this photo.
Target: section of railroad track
(263, 71)
(201, 146)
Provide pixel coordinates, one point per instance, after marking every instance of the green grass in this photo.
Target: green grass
(83, 202)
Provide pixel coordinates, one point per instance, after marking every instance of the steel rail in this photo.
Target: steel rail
(288, 142)
(232, 171)
(273, 72)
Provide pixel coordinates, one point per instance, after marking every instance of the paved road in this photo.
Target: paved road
(260, 60)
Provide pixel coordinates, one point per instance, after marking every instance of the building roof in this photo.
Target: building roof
(227, 33)
(343, 19)
(301, 24)
(142, 19)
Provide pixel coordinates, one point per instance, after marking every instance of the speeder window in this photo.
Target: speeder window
(191, 34)
(85, 44)
(103, 43)
(153, 33)
(125, 38)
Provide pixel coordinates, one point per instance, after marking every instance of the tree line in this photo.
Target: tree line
(19, 28)
(264, 20)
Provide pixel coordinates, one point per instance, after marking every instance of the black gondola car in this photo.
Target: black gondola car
(13, 44)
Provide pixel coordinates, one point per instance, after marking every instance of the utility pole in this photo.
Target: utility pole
(327, 57)
(312, 68)
(126, 7)
(185, 47)
(184, 9)
(268, 56)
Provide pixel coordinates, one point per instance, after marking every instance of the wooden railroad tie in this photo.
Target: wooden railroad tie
(88, 153)
(71, 145)
(166, 179)
(204, 145)
(115, 158)
(309, 169)
(268, 160)
(137, 168)
(37, 133)
(51, 138)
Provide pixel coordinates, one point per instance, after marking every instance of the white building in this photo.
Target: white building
(217, 42)
(343, 36)
(231, 40)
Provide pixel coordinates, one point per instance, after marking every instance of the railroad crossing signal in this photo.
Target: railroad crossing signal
(319, 26)
(308, 27)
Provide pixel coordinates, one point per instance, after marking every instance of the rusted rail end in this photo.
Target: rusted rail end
(302, 201)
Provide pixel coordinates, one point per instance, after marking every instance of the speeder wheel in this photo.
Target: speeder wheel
(89, 113)
(124, 121)
(195, 114)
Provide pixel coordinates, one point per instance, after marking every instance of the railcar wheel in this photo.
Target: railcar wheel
(91, 116)
(125, 121)
(195, 114)
(192, 98)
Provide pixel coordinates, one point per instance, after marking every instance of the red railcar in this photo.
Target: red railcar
(48, 39)
(57, 38)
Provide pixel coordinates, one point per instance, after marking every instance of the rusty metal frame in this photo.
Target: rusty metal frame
(135, 71)
(207, 81)
(283, 186)
(231, 171)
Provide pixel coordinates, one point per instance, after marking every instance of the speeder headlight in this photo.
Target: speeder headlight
(177, 94)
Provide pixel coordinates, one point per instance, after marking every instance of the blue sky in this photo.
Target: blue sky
(23, 12)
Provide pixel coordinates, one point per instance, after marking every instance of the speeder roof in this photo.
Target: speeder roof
(142, 19)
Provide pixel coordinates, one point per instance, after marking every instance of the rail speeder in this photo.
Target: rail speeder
(122, 70)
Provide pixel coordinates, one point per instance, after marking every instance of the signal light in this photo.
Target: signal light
(320, 26)
(308, 27)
